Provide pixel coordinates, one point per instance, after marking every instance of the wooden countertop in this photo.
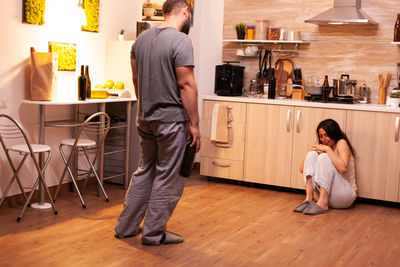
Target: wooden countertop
(303, 103)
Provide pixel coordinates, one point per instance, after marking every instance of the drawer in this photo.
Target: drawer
(238, 110)
(223, 168)
(209, 149)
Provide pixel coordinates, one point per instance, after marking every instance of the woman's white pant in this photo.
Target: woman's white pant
(323, 173)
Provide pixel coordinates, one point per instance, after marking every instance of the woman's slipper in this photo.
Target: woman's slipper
(314, 209)
(302, 206)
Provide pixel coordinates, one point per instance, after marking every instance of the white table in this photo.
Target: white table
(42, 123)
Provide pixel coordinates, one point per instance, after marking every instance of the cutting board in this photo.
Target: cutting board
(284, 74)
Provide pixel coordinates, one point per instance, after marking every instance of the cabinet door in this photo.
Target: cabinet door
(268, 142)
(377, 153)
(306, 121)
(221, 161)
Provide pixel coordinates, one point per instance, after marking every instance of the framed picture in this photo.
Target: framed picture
(191, 2)
(91, 8)
(33, 11)
(152, 10)
(66, 55)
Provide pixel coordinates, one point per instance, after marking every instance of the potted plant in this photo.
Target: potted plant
(395, 100)
(240, 30)
(121, 34)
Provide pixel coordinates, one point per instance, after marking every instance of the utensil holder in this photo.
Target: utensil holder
(382, 96)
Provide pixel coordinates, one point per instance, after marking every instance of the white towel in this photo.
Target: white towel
(219, 124)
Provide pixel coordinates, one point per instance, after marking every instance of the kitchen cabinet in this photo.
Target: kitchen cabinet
(223, 161)
(306, 121)
(277, 140)
(375, 139)
(269, 135)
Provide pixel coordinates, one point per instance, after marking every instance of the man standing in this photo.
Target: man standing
(162, 70)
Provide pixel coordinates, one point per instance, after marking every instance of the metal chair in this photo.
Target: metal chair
(14, 139)
(94, 127)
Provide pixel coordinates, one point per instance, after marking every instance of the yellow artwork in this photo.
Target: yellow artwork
(34, 11)
(66, 55)
(92, 15)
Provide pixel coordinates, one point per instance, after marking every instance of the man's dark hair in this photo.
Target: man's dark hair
(170, 6)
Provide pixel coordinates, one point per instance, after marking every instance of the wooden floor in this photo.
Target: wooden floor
(224, 224)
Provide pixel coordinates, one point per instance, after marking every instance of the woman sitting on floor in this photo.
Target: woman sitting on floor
(329, 170)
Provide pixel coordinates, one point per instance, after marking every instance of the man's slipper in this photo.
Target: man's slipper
(302, 206)
(314, 209)
(139, 231)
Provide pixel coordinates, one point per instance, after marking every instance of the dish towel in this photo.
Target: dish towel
(219, 124)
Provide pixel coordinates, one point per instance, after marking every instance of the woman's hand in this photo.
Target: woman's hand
(320, 148)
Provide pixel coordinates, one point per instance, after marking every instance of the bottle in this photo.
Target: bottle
(82, 85)
(272, 85)
(397, 29)
(88, 83)
(325, 89)
(101, 94)
(250, 32)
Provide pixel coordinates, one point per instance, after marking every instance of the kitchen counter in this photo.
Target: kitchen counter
(304, 103)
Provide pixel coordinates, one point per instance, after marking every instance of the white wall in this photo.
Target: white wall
(17, 38)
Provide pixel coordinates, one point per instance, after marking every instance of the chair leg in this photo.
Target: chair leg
(15, 176)
(27, 201)
(67, 168)
(41, 177)
(95, 174)
(63, 174)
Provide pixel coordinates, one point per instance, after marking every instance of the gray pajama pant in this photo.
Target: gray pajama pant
(156, 186)
(325, 174)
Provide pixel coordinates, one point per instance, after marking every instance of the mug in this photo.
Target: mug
(240, 52)
(149, 11)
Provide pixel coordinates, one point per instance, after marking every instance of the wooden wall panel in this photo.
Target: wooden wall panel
(363, 61)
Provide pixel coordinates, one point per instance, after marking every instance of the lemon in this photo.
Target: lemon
(109, 84)
(119, 85)
(99, 86)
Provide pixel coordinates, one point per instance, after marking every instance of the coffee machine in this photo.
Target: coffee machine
(229, 79)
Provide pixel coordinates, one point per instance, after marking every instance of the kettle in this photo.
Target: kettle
(344, 86)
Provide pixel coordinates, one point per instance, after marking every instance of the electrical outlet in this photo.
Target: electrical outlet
(3, 103)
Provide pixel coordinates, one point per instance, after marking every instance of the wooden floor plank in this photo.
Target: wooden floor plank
(224, 224)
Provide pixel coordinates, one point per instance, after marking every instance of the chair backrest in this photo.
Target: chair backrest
(12, 133)
(97, 125)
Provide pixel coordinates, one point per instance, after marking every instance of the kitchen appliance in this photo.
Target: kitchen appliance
(343, 12)
(229, 79)
(344, 87)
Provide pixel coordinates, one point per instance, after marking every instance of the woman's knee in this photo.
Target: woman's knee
(324, 159)
(312, 155)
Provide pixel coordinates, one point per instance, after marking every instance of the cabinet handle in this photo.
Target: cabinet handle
(289, 114)
(298, 121)
(396, 129)
(221, 164)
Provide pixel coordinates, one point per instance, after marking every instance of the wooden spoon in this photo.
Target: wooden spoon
(387, 80)
(380, 80)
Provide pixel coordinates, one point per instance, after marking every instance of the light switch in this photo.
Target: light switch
(3, 103)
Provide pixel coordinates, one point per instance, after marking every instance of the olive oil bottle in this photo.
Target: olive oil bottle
(82, 85)
(88, 83)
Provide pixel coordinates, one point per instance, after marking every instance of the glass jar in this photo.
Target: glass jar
(364, 94)
(274, 33)
(262, 29)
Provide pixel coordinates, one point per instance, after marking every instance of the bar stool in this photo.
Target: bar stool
(95, 127)
(14, 139)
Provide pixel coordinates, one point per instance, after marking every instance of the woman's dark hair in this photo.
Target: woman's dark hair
(171, 5)
(332, 129)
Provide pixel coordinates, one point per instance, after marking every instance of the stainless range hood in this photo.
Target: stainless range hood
(343, 12)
